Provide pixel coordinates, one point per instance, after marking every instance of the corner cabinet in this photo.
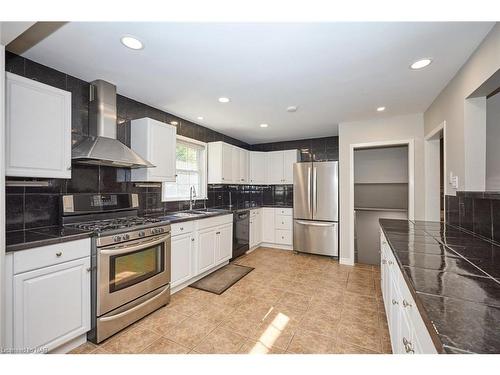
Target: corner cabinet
(48, 296)
(228, 164)
(38, 129)
(156, 142)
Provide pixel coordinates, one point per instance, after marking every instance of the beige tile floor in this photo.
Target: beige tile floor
(290, 303)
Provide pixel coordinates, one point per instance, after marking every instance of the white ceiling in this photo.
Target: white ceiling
(334, 72)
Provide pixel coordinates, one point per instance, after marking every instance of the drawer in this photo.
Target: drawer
(27, 260)
(283, 237)
(181, 228)
(214, 221)
(283, 222)
(284, 211)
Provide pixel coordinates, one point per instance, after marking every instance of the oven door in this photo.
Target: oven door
(130, 270)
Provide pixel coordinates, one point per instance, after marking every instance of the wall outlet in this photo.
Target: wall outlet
(453, 181)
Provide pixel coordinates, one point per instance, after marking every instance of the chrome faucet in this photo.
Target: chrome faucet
(192, 197)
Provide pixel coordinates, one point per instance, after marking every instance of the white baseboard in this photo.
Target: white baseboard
(196, 278)
(70, 345)
(346, 261)
(276, 246)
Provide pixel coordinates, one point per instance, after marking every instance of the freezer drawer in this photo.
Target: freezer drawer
(316, 237)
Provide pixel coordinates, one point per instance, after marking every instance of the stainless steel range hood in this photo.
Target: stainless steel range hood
(102, 147)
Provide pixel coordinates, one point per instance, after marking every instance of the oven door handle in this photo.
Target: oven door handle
(122, 249)
(135, 308)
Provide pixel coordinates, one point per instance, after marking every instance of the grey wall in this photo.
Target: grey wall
(381, 165)
(451, 106)
(493, 143)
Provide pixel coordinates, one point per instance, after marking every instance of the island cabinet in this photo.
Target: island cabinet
(37, 129)
(199, 247)
(409, 334)
(48, 297)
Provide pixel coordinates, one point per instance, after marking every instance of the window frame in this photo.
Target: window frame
(203, 171)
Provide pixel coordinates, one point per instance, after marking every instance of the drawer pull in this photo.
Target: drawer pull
(181, 228)
(394, 302)
(89, 269)
(390, 262)
(384, 261)
(217, 232)
(59, 254)
(192, 239)
(406, 303)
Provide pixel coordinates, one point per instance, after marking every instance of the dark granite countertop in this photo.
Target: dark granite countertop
(454, 277)
(31, 238)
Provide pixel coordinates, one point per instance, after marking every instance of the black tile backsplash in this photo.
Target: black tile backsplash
(315, 149)
(476, 212)
(30, 207)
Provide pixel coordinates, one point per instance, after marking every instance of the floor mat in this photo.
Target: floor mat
(222, 279)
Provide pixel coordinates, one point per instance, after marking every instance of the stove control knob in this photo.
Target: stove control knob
(154, 231)
(126, 237)
(117, 238)
(161, 230)
(141, 233)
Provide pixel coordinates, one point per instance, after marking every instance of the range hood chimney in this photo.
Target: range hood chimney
(102, 147)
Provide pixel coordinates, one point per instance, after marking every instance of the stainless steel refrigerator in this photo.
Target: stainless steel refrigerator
(316, 208)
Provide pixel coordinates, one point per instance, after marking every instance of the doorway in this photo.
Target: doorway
(435, 172)
(381, 180)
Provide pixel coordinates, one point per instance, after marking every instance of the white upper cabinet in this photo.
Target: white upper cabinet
(228, 164)
(38, 129)
(280, 166)
(290, 157)
(274, 170)
(257, 167)
(155, 141)
(243, 167)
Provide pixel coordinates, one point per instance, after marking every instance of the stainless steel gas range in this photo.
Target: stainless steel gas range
(130, 259)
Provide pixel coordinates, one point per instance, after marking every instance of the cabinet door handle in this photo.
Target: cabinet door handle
(89, 269)
(384, 261)
(390, 262)
(217, 232)
(406, 303)
(394, 302)
(192, 239)
(69, 168)
(59, 254)
(408, 346)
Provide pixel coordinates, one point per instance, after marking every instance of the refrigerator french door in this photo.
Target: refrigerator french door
(315, 208)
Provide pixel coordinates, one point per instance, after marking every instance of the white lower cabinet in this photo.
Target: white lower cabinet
(277, 227)
(408, 332)
(224, 244)
(255, 228)
(182, 258)
(198, 247)
(48, 305)
(268, 231)
(206, 249)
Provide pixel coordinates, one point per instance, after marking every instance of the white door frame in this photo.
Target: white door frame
(432, 167)
(411, 183)
(2, 194)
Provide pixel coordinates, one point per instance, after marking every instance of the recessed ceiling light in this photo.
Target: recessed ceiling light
(132, 42)
(420, 64)
(292, 108)
(224, 100)
(263, 125)
(200, 118)
(380, 109)
(174, 123)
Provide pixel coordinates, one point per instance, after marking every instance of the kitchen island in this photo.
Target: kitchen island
(454, 280)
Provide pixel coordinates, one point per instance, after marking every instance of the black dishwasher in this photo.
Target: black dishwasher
(241, 232)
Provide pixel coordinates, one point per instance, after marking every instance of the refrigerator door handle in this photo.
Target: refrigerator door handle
(309, 190)
(315, 191)
(315, 223)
